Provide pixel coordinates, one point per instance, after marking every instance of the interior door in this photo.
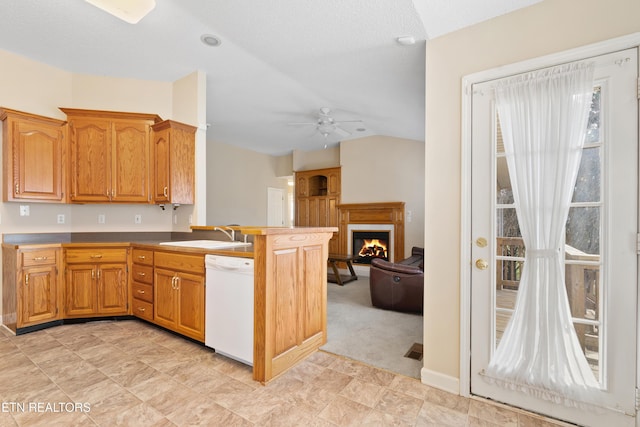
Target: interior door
(600, 251)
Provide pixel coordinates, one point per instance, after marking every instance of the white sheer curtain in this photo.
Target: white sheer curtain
(544, 116)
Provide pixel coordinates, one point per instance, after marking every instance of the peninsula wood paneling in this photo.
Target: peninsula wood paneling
(290, 300)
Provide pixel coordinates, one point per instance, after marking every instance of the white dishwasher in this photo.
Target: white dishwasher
(229, 307)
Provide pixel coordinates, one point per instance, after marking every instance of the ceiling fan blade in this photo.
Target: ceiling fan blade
(303, 123)
(341, 131)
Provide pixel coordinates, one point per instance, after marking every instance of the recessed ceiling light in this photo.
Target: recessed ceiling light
(210, 40)
(406, 40)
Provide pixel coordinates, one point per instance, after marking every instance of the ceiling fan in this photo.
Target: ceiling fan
(326, 125)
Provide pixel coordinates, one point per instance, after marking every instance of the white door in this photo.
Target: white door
(275, 207)
(600, 257)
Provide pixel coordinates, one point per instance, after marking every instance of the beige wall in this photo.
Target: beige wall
(547, 27)
(386, 169)
(237, 184)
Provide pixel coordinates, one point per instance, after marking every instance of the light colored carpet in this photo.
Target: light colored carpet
(358, 330)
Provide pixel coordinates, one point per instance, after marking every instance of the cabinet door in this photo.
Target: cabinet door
(90, 160)
(81, 290)
(130, 162)
(39, 296)
(165, 310)
(173, 163)
(161, 171)
(182, 166)
(112, 288)
(37, 161)
(191, 305)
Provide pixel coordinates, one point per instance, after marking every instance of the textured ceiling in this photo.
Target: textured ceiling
(280, 60)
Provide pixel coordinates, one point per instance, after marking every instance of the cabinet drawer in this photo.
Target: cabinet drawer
(142, 256)
(142, 273)
(142, 291)
(142, 309)
(180, 262)
(95, 255)
(35, 257)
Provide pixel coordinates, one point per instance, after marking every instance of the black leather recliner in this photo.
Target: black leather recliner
(399, 285)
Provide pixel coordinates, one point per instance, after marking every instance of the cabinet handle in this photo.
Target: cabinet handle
(26, 279)
(177, 283)
(40, 258)
(141, 309)
(93, 274)
(141, 257)
(140, 292)
(96, 256)
(99, 271)
(17, 189)
(165, 191)
(141, 274)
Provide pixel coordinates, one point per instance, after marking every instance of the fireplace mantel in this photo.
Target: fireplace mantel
(373, 213)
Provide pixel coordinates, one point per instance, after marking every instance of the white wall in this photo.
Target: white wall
(547, 27)
(237, 184)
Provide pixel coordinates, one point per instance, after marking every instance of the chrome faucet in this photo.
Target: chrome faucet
(231, 236)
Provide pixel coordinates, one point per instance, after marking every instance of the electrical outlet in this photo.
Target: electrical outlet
(190, 219)
(60, 218)
(138, 219)
(24, 210)
(101, 219)
(175, 218)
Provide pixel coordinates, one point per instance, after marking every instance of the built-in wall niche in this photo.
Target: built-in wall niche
(318, 185)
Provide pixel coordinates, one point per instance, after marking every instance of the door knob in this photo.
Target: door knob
(482, 264)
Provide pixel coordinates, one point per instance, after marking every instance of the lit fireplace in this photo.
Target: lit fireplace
(368, 245)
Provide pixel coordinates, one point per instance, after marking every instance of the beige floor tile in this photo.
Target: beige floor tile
(399, 405)
(362, 392)
(492, 413)
(132, 373)
(344, 412)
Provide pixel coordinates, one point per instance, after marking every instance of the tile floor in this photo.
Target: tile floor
(131, 373)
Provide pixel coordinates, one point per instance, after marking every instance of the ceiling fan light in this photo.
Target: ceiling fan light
(131, 11)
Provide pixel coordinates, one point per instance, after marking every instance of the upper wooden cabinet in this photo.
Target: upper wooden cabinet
(109, 156)
(173, 154)
(33, 156)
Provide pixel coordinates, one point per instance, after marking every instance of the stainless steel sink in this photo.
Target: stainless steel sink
(206, 244)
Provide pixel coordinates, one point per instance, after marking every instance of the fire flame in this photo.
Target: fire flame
(373, 248)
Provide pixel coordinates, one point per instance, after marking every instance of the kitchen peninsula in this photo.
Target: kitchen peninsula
(290, 298)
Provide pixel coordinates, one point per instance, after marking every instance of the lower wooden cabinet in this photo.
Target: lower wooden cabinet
(96, 282)
(178, 299)
(142, 283)
(31, 287)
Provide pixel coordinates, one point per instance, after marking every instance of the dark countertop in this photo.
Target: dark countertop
(150, 241)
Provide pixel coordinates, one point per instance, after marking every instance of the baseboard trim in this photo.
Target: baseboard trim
(440, 381)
